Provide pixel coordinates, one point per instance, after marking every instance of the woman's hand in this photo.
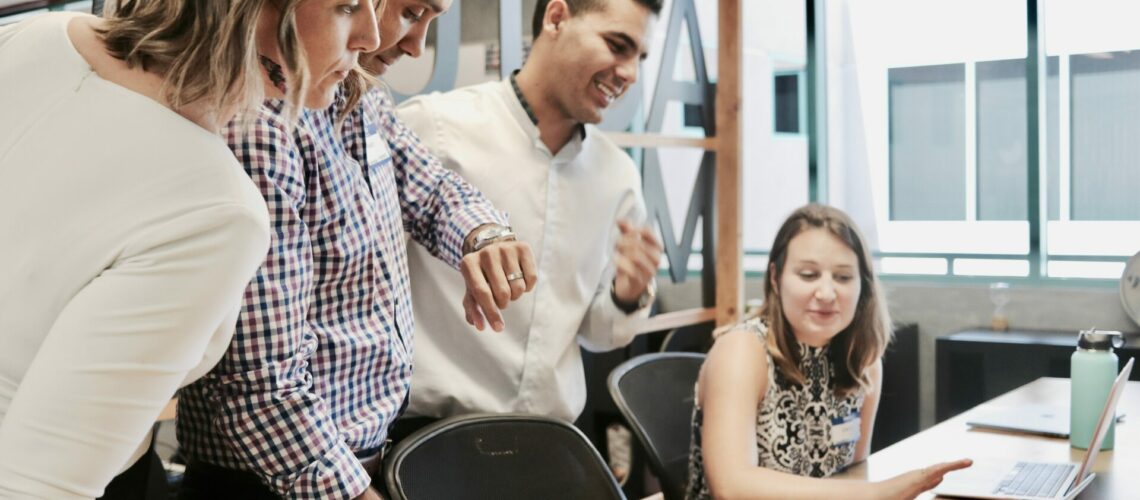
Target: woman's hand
(913, 483)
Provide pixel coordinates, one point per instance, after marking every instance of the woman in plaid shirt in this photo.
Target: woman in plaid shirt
(321, 361)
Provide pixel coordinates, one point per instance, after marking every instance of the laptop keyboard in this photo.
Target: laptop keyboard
(1034, 479)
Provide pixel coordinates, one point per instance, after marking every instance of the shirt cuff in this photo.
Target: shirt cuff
(622, 327)
(338, 474)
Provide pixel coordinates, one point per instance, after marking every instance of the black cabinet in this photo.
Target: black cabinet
(974, 366)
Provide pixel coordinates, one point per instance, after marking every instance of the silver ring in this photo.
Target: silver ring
(515, 276)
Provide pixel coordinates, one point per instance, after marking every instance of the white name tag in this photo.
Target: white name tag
(375, 147)
(845, 430)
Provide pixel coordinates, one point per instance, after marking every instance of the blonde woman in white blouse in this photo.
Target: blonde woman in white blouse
(128, 230)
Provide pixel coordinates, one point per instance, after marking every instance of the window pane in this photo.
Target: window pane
(991, 267)
(1001, 140)
(1105, 128)
(928, 142)
(1077, 269)
(912, 265)
(787, 103)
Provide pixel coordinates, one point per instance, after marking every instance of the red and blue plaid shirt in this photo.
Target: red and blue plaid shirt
(321, 360)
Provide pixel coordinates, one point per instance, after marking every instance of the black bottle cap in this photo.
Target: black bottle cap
(1099, 340)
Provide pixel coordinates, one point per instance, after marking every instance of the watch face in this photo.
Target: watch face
(489, 233)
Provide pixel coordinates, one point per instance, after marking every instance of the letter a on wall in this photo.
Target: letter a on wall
(697, 94)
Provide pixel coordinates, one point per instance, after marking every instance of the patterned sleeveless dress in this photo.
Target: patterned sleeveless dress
(794, 424)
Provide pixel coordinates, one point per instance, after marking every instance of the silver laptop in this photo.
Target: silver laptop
(1046, 420)
(986, 479)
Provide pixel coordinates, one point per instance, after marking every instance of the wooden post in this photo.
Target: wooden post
(730, 245)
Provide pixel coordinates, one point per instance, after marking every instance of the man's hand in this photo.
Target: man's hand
(637, 256)
(496, 275)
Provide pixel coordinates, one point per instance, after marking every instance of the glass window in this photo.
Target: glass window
(926, 148)
(1002, 140)
(1104, 127)
(1093, 119)
(928, 143)
(787, 107)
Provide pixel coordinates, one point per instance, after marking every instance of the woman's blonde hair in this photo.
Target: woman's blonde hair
(858, 346)
(205, 49)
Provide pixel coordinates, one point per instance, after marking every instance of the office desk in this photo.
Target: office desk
(1118, 471)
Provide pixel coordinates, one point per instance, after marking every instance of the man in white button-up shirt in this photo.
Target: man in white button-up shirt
(526, 143)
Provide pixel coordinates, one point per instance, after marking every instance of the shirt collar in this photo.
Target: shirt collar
(529, 110)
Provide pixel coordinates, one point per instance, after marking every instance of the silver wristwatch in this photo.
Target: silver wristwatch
(489, 234)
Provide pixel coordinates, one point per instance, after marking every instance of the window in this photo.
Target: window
(927, 143)
(929, 138)
(787, 107)
(1094, 215)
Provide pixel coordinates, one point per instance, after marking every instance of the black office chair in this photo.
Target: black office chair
(497, 456)
(655, 394)
(689, 338)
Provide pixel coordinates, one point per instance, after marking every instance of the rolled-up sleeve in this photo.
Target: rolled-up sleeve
(439, 207)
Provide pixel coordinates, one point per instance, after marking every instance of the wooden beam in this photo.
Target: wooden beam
(676, 319)
(729, 162)
(630, 140)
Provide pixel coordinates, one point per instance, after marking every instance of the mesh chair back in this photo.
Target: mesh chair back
(655, 394)
(689, 338)
(497, 456)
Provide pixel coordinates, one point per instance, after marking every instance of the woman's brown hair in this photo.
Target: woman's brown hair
(858, 346)
(205, 49)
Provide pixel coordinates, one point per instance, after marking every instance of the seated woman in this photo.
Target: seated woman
(789, 397)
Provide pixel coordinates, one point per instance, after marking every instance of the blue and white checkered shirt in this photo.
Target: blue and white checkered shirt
(322, 356)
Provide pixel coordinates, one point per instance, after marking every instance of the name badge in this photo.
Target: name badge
(375, 148)
(845, 430)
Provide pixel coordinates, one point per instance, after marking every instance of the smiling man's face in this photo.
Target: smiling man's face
(597, 54)
(403, 31)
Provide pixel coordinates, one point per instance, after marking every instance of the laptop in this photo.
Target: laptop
(1016, 480)
(1046, 420)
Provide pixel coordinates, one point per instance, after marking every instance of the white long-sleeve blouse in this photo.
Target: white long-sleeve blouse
(127, 236)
